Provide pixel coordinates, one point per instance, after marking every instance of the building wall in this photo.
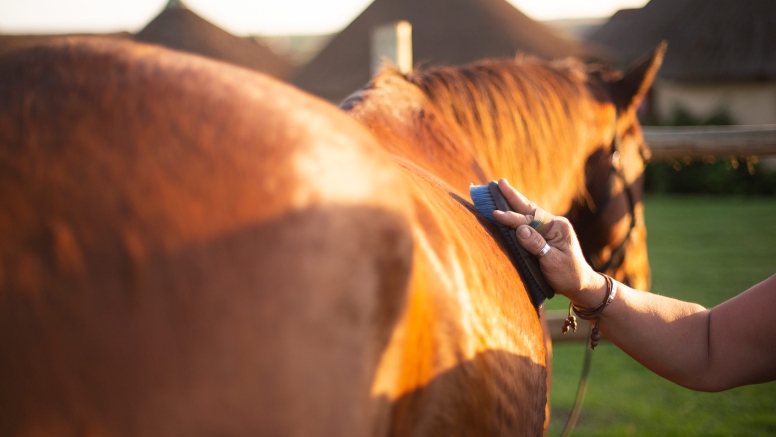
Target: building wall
(746, 102)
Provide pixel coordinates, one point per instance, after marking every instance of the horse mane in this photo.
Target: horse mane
(526, 118)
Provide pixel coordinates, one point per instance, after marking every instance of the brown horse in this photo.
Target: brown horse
(564, 134)
(189, 248)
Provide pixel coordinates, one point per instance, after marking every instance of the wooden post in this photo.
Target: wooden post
(690, 143)
(392, 42)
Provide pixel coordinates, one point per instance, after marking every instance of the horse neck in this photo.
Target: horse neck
(415, 133)
(540, 146)
(544, 158)
(550, 171)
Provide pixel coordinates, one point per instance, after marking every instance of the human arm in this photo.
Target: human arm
(730, 345)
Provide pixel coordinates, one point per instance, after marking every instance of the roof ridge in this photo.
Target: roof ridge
(444, 32)
(180, 28)
(176, 4)
(707, 39)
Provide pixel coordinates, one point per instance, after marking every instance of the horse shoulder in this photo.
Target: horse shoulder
(467, 356)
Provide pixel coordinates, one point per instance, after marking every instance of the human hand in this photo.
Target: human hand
(563, 266)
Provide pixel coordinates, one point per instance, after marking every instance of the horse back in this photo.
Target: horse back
(188, 248)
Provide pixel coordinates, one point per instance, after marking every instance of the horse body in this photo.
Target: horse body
(191, 248)
(188, 249)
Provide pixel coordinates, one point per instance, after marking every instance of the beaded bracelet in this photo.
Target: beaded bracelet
(590, 313)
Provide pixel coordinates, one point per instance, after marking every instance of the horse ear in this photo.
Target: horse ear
(628, 92)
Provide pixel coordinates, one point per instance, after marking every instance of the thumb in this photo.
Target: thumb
(531, 240)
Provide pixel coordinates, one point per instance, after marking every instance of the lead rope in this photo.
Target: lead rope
(576, 410)
(581, 389)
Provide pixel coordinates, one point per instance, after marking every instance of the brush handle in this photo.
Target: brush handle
(531, 261)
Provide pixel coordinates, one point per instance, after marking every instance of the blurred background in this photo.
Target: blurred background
(710, 119)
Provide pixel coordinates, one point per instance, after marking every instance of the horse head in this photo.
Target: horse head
(610, 218)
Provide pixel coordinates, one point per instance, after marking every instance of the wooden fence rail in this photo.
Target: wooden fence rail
(668, 143)
(688, 143)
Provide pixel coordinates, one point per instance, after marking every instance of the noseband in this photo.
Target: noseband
(618, 253)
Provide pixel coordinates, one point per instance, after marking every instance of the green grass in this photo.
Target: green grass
(702, 249)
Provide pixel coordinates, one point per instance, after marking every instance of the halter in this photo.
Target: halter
(617, 255)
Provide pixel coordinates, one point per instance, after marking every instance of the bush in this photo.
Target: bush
(715, 178)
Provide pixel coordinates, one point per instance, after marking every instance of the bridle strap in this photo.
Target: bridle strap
(617, 254)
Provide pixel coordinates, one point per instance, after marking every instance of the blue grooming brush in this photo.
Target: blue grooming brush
(488, 198)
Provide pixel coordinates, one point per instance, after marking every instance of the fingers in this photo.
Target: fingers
(561, 231)
(564, 265)
(517, 201)
(531, 240)
(528, 212)
(511, 219)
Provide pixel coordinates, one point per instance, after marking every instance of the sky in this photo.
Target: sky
(243, 17)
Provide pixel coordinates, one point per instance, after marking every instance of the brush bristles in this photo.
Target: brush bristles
(483, 201)
(485, 204)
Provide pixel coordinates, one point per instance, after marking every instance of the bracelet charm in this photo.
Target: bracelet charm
(591, 313)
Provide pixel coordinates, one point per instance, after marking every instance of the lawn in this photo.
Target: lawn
(703, 249)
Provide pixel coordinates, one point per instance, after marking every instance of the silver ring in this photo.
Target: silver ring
(544, 250)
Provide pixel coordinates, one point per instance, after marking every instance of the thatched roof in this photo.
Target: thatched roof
(179, 28)
(443, 32)
(707, 39)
